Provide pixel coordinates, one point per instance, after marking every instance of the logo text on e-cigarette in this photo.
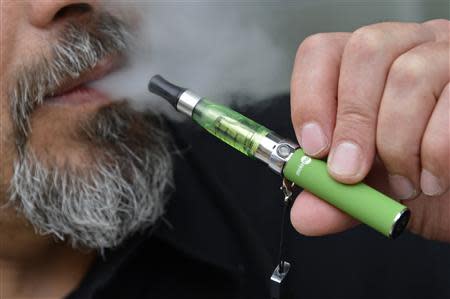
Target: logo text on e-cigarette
(305, 160)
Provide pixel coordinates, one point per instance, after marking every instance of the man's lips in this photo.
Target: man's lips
(77, 91)
(79, 95)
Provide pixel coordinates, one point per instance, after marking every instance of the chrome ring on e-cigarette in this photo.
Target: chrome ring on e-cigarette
(275, 151)
(187, 102)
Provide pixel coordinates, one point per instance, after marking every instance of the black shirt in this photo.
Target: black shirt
(219, 238)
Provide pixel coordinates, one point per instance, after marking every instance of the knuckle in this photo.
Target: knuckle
(439, 28)
(438, 22)
(314, 42)
(355, 125)
(407, 71)
(355, 116)
(367, 42)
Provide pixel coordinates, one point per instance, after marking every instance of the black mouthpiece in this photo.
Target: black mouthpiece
(160, 86)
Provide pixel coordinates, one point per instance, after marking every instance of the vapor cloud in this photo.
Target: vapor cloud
(215, 49)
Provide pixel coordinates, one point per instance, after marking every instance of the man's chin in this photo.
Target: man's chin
(94, 178)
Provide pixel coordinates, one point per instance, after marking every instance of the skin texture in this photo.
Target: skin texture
(376, 103)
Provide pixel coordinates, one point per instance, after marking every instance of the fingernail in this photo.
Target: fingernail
(402, 187)
(345, 160)
(313, 139)
(430, 184)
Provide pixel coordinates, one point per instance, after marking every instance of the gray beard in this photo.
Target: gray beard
(123, 192)
(123, 189)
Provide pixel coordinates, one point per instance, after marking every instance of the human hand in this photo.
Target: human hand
(377, 103)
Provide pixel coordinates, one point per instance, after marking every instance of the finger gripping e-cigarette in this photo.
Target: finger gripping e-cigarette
(283, 156)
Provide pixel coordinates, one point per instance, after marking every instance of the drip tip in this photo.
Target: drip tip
(160, 86)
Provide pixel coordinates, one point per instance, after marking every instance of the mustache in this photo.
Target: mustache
(78, 48)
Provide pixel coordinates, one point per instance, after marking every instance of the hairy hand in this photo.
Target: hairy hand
(376, 102)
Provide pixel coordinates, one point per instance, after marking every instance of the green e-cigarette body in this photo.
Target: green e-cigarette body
(360, 201)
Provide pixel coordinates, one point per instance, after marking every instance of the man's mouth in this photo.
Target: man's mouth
(78, 92)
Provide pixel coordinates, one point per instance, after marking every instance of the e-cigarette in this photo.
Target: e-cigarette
(287, 159)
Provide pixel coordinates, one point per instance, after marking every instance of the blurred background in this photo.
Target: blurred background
(218, 47)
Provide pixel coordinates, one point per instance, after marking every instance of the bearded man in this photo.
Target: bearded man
(101, 201)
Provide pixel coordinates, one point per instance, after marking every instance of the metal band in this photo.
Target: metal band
(275, 152)
(187, 102)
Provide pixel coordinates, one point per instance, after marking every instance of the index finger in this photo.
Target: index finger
(314, 87)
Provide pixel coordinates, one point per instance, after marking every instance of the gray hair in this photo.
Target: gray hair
(125, 188)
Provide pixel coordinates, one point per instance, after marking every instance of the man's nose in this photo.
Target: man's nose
(43, 13)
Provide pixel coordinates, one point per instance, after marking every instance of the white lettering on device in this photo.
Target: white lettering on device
(305, 160)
